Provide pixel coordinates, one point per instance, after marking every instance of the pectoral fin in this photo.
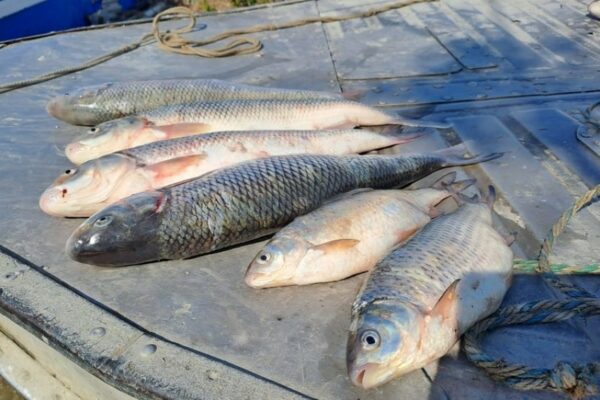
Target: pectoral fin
(184, 129)
(174, 170)
(446, 305)
(336, 245)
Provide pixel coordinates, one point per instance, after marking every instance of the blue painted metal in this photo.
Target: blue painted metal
(25, 18)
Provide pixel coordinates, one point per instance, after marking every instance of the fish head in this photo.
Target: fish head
(277, 263)
(106, 138)
(123, 233)
(79, 107)
(81, 191)
(383, 340)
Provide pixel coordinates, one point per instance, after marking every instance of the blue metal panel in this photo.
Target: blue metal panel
(35, 17)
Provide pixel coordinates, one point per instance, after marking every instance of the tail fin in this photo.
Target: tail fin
(420, 123)
(487, 199)
(454, 156)
(449, 183)
(444, 181)
(401, 138)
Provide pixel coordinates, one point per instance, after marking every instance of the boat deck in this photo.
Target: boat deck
(510, 75)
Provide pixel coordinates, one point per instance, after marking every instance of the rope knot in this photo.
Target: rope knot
(573, 379)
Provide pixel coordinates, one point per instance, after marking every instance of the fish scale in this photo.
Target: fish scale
(267, 112)
(421, 270)
(417, 302)
(96, 104)
(240, 203)
(193, 118)
(167, 149)
(263, 195)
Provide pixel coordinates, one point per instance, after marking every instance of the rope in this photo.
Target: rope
(66, 71)
(576, 380)
(532, 267)
(172, 40)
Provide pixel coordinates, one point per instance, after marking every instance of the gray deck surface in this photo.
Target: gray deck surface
(511, 75)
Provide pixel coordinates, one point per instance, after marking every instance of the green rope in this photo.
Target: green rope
(532, 267)
(576, 380)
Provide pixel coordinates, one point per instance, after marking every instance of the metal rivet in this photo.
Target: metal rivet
(149, 349)
(584, 131)
(212, 375)
(98, 331)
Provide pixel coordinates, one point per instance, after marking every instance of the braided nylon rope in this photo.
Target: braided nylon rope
(172, 41)
(576, 380)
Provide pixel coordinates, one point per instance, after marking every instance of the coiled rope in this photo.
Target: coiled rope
(574, 379)
(173, 40)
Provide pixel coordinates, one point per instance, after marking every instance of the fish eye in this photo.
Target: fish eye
(370, 339)
(70, 171)
(103, 221)
(93, 130)
(263, 258)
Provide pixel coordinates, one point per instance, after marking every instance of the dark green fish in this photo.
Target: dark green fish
(239, 204)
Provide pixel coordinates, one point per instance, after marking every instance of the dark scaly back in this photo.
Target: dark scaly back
(252, 199)
(420, 271)
(250, 109)
(116, 100)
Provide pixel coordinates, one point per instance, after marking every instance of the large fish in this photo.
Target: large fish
(100, 103)
(238, 204)
(81, 191)
(201, 117)
(347, 236)
(417, 301)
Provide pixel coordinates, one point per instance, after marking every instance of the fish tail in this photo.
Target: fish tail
(454, 156)
(419, 123)
(400, 138)
(449, 183)
(487, 199)
(392, 131)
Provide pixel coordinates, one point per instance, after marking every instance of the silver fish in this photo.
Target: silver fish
(347, 236)
(93, 105)
(418, 300)
(82, 191)
(235, 115)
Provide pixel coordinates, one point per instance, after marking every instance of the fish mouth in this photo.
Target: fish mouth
(48, 201)
(257, 280)
(75, 152)
(366, 376)
(78, 251)
(54, 107)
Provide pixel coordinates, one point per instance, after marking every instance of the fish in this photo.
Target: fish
(234, 115)
(82, 191)
(347, 236)
(240, 203)
(417, 302)
(93, 105)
